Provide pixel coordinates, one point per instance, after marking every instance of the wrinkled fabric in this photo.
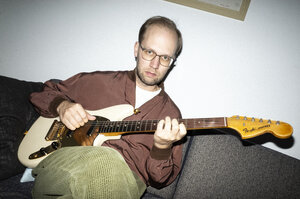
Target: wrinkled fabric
(86, 172)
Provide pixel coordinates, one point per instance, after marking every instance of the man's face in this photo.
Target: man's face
(163, 42)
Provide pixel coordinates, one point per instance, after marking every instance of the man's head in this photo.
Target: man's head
(159, 45)
(162, 22)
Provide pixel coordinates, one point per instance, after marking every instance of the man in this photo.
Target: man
(155, 159)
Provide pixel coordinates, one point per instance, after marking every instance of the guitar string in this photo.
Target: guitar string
(156, 121)
(113, 123)
(143, 124)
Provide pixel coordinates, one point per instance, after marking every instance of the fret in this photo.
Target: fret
(144, 125)
(125, 125)
(106, 126)
(111, 127)
(137, 125)
(101, 129)
(131, 126)
(150, 125)
(128, 126)
(154, 125)
(117, 128)
(114, 126)
(98, 123)
(120, 125)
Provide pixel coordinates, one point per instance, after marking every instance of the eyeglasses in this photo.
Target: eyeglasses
(149, 55)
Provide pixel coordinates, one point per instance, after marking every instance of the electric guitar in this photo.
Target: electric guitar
(49, 134)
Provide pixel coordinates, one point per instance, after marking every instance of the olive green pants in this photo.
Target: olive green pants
(86, 172)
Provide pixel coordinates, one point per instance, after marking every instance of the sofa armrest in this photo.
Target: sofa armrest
(16, 115)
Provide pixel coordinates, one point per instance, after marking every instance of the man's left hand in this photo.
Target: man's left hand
(168, 131)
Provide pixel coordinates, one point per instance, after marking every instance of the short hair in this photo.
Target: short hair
(164, 22)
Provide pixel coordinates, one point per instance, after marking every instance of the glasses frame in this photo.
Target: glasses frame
(160, 56)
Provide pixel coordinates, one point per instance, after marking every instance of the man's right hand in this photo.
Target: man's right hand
(73, 115)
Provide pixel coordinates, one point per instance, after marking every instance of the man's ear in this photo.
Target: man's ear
(136, 49)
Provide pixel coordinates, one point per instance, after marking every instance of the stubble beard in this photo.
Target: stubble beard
(146, 82)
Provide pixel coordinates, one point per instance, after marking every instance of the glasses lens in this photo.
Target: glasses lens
(149, 55)
(165, 60)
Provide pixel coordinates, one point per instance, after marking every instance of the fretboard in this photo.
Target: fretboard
(151, 125)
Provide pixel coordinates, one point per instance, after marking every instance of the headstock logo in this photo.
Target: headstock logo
(246, 130)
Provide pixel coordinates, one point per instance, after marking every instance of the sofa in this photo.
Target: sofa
(216, 162)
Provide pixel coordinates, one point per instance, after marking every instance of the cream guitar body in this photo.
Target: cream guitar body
(34, 139)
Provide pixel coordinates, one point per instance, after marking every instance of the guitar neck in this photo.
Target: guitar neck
(204, 123)
(122, 127)
(245, 126)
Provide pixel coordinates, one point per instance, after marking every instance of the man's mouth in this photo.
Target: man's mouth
(149, 74)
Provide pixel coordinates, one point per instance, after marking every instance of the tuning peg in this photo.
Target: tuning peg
(277, 122)
(253, 120)
(269, 122)
(245, 118)
(261, 120)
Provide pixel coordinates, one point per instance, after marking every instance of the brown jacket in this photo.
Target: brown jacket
(99, 90)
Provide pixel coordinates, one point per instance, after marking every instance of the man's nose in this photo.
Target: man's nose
(155, 62)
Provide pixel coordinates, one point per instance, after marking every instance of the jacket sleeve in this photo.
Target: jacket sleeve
(163, 165)
(53, 93)
(163, 172)
(93, 91)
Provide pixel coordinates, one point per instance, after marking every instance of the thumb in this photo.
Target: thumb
(90, 117)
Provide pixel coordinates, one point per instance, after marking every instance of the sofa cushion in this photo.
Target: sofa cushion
(11, 188)
(16, 116)
(223, 166)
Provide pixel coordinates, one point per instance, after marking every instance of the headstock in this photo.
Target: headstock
(252, 127)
